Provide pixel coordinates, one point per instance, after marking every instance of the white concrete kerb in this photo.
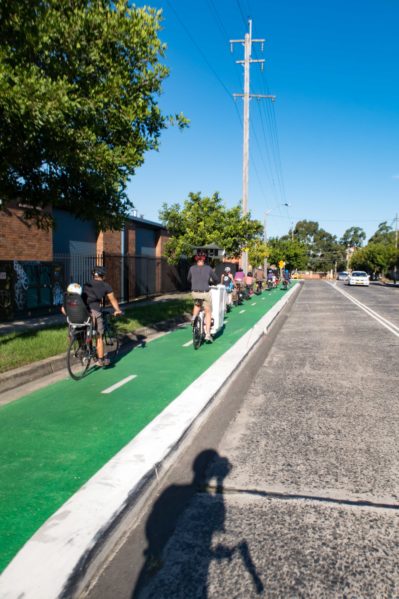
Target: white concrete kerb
(43, 567)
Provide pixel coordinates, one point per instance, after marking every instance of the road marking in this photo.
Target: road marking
(385, 323)
(263, 298)
(188, 343)
(120, 384)
(241, 311)
(254, 304)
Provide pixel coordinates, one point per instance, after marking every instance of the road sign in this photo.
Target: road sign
(281, 264)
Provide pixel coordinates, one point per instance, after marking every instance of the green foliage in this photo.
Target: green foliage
(79, 81)
(353, 237)
(258, 251)
(322, 248)
(293, 253)
(384, 234)
(375, 258)
(204, 220)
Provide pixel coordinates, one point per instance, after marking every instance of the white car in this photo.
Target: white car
(342, 276)
(358, 277)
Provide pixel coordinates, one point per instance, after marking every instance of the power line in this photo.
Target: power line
(199, 49)
(244, 20)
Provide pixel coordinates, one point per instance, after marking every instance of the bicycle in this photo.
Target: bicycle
(82, 347)
(199, 325)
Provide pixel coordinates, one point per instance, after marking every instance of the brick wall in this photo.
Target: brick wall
(109, 242)
(21, 239)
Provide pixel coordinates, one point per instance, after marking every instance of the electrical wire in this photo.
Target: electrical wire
(244, 20)
(199, 49)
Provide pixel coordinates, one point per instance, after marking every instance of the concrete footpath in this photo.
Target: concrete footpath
(54, 562)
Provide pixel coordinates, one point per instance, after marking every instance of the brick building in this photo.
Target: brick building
(36, 265)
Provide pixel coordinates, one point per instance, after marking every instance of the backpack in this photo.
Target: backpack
(75, 308)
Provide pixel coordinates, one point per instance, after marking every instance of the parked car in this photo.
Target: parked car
(358, 277)
(342, 276)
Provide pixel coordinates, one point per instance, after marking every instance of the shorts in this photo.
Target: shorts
(98, 321)
(204, 295)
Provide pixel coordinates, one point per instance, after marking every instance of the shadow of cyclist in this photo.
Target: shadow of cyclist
(183, 570)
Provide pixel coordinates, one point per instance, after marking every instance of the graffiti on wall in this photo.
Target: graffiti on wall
(21, 285)
(27, 288)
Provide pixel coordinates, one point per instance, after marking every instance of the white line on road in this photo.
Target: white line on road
(241, 311)
(385, 323)
(120, 384)
(254, 304)
(188, 343)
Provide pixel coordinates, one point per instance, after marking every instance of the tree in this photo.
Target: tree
(353, 237)
(374, 258)
(79, 81)
(323, 250)
(258, 251)
(204, 220)
(293, 253)
(384, 234)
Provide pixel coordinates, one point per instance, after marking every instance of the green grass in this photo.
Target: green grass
(19, 349)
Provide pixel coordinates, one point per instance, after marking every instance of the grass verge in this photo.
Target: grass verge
(19, 349)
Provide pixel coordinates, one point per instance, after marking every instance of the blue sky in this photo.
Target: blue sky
(328, 146)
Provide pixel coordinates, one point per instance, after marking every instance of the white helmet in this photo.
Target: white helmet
(74, 288)
(227, 269)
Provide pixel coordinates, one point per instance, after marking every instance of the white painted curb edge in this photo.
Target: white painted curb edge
(48, 561)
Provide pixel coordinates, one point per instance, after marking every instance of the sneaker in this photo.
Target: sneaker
(208, 338)
(103, 362)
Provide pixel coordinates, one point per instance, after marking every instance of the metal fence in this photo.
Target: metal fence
(78, 268)
(29, 288)
(137, 276)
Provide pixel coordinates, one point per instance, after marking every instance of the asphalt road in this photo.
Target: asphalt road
(302, 495)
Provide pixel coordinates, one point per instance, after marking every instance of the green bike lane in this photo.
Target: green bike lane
(55, 439)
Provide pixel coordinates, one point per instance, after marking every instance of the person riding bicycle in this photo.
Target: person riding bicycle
(94, 293)
(259, 277)
(249, 280)
(200, 275)
(228, 281)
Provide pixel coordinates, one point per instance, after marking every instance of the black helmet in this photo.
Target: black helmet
(98, 271)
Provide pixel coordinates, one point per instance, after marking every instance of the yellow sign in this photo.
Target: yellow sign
(281, 264)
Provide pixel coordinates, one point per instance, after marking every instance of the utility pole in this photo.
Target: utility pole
(247, 43)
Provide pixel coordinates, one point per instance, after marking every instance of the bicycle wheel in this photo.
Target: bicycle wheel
(78, 357)
(111, 342)
(197, 332)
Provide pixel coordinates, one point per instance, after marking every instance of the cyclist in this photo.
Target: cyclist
(249, 282)
(287, 276)
(259, 277)
(228, 281)
(94, 293)
(200, 275)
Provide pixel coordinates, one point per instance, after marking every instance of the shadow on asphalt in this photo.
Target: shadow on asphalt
(187, 576)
